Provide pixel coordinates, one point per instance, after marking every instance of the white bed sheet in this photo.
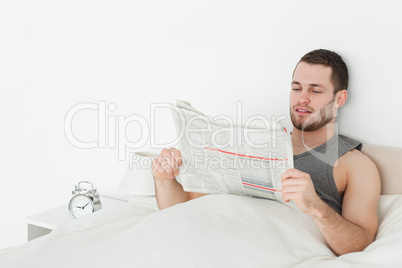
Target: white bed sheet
(212, 231)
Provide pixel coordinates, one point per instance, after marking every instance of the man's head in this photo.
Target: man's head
(319, 85)
(339, 74)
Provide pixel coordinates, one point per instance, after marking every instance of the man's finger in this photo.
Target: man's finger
(292, 173)
(166, 166)
(166, 152)
(157, 170)
(291, 181)
(166, 155)
(170, 160)
(290, 189)
(155, 164)
(176, 154)
(289, 196)
(161, 171)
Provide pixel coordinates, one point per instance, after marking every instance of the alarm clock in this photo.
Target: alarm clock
(84, 201)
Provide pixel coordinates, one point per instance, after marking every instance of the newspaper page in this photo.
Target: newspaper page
(222, 155)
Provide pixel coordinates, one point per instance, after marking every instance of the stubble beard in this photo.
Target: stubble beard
(316, 120)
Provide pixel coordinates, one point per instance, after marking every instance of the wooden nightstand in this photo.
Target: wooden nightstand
(43, 223)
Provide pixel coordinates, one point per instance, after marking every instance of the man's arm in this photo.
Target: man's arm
(356, 228)
(167, 190)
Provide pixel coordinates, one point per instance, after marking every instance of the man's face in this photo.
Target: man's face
(312, 97)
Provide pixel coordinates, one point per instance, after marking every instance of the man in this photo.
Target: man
(333, 182)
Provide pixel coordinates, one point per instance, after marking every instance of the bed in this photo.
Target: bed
(215, 231)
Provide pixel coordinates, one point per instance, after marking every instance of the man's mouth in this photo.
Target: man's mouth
(303, 110)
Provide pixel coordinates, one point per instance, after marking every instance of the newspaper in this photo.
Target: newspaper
(222, 155)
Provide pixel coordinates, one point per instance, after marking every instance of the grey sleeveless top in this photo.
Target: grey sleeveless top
(319, 163)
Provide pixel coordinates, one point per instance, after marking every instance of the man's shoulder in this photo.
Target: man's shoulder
(356, 163)
(355, 157)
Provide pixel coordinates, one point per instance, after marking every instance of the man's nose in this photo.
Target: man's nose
(304, 97)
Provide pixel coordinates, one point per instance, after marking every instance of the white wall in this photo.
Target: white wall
(55, 55)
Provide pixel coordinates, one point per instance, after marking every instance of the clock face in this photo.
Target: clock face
(80, 205)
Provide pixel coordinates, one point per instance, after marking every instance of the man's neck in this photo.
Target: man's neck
(305, 141)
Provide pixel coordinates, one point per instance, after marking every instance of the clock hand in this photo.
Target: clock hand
(85, 205)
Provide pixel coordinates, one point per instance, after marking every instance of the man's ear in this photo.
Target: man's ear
(341, 97)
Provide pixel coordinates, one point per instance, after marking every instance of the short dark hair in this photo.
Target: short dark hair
(340, 76)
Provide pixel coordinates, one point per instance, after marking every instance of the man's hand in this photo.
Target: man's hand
(164, 169)
(298, 186)
(166, 165)
(167, 190)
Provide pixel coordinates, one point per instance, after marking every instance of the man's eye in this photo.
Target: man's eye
(296, 89)
(315, 91)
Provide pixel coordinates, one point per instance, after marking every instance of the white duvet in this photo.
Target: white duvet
(211, 231)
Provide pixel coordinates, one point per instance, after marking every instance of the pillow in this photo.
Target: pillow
(138, 179)
(388, 161)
